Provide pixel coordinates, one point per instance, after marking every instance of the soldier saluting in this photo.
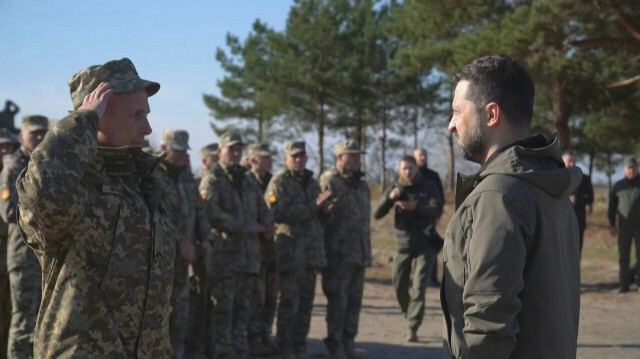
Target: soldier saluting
(92, 210)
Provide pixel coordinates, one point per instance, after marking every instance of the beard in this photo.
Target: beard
(473, 149)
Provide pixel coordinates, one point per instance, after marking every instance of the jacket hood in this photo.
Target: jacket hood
(537, 160)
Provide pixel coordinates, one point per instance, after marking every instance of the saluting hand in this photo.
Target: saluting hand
(97, 100)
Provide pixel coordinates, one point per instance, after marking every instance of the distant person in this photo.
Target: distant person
(624, 203)
(264, 297)
(8, 144)
(298, 208)
(8, 114)
(208, 155)
(188, 217)
(93, 212)
(581, 197)
(511, 284)
(422, 160)
(348, 248)
(417, 204)
(22, 264)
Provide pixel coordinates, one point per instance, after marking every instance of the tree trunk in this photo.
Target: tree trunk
(260, 133)
(560, 111)
(383, 147)
(321, 139)
(415, 128)
(591, 158)
(609, 172)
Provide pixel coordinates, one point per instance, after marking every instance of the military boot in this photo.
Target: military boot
(350, 350)
(411, 336)
(335, 349)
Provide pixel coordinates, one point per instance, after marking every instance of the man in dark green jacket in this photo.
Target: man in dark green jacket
(511, 283)
(624, 202)
(417, 204)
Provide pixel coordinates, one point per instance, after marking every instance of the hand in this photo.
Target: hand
(572, 198)
(330, 206)
(613, 230)
(322, 197)
(97, 100)
(188, 250)
(408, 206)
(206, 247)
(395, 193)
(255, 228)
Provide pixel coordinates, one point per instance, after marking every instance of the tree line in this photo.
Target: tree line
(380, 72)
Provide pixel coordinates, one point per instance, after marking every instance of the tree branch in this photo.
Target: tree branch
(605, 41)
(624, 82)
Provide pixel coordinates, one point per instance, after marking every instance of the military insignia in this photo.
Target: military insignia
(4, 193)
(272, 198)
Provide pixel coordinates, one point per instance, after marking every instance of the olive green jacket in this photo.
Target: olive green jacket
(511, 282)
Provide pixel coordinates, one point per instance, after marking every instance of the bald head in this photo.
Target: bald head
(421, 156)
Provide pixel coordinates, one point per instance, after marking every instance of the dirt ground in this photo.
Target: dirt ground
(609, 321)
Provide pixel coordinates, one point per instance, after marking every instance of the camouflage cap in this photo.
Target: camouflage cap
(176, 139)
(35, 123)
(229, 139)
(295, 147)
(209, 150)
(7, 136)
(121, 74)
(259, 149)
(347, 146)
(630, 162)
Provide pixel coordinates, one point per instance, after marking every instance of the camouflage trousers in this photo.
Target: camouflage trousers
(230, 313)
(264, 297)
(410, 294)
(343, 286)
(297, 291)
(25, 286)
(199, 309)
(179, 318)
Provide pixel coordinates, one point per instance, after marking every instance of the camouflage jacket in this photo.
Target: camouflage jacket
(185, 208)
(234, 202)
(95, 218)
(18, 252)
(261, 182)
(346, 230)
(299, 232)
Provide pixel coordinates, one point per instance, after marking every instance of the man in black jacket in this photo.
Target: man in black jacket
(581, 197)
(417, 205)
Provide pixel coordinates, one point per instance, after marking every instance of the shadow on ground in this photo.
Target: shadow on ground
(316, 350)
(623, 346)
(598, 287)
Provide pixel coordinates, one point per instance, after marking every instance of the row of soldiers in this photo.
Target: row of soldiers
(244, 237)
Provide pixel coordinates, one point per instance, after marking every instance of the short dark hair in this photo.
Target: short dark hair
(407, 158)
(500, 79)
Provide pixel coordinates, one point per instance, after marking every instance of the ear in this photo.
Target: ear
(494, 114)
(20, 138)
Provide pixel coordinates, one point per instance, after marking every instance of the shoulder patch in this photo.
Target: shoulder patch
(272, 198)
(4, 192)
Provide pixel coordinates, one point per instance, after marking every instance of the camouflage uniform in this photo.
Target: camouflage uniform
(22, 264)
(265, 289)
(348, 251)
(233, 202)
(299, 250)
(95, 218)
(199, 303)
(187, 214)
(5, 294)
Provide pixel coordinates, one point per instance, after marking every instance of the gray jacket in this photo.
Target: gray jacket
(511, 283)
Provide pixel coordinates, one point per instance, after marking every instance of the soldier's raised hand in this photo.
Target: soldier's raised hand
(97, 99)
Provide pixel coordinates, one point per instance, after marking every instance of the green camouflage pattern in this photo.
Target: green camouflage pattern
(233, 202)
(96, 220)
(176, 139)
(297, 291)
(299, 231)
(35, 122)
(188, 217)
(347, 233)
(120, 74)
(22, 264)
